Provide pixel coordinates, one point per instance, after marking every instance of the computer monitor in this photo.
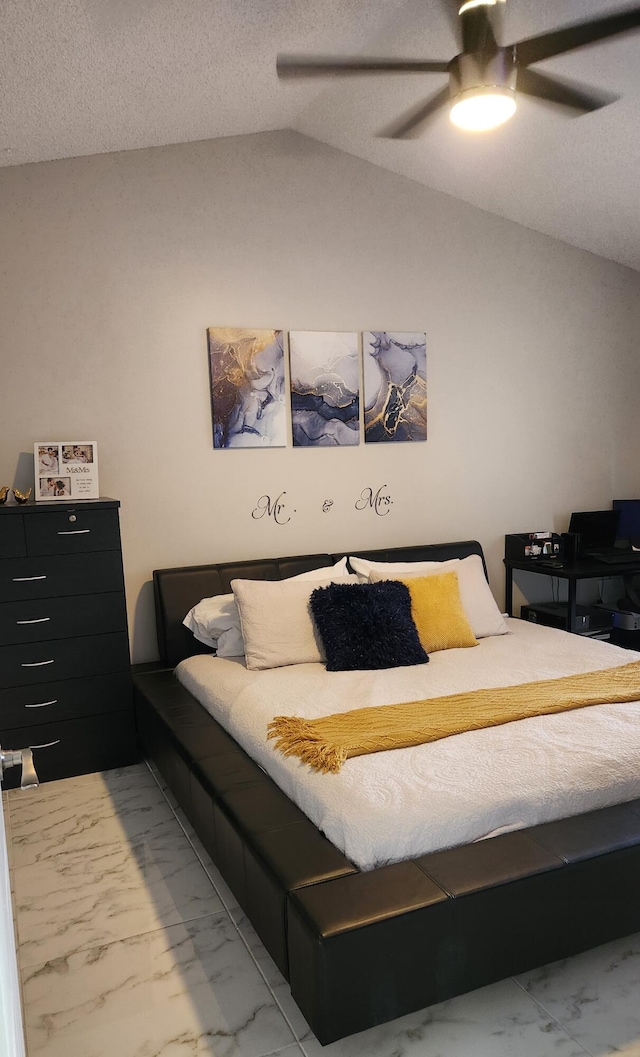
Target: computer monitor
(596, 528)
(629, 523)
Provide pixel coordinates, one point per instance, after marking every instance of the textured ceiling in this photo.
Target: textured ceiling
(90, 76)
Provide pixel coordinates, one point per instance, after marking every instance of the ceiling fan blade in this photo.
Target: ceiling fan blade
(411, 123)
(324, 66)
(565, 93)
(558, 41)
(451, 9)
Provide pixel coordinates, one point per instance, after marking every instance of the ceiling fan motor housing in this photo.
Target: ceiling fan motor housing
(490, 71)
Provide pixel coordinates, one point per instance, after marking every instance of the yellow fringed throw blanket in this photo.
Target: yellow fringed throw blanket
(327, 742)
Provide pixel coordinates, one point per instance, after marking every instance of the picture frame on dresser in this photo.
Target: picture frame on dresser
(65, 469)
(65, 676)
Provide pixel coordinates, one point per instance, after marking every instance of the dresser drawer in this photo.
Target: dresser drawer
(62, 618)
(80, 746)
(12, 544)
(72, 531)
(68, 574)
(22, 706)
(41, 662)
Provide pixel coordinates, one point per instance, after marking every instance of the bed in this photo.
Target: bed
(362, 943)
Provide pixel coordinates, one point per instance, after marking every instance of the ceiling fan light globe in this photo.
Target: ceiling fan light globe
(482, 109)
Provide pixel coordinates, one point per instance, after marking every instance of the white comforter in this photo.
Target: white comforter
(396, 805)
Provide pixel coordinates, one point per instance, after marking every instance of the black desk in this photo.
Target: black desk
(583, 569)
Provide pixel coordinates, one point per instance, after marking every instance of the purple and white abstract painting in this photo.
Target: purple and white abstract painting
(247, 388)
(325, 388)
(395, 386)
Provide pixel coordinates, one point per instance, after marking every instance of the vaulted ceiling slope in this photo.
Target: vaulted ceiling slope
(82, 77)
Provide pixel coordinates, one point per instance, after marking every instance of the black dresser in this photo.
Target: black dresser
(65, 681)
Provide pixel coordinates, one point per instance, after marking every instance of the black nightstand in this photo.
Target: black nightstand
(65, 680)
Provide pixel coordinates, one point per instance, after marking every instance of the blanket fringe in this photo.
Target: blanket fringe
(296, 737)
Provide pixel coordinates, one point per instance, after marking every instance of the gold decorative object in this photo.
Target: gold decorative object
(4, 492)
(21, 497)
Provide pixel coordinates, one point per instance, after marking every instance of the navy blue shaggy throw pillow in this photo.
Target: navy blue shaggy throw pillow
(366, 626)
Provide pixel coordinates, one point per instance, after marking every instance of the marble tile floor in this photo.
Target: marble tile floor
(131, 945)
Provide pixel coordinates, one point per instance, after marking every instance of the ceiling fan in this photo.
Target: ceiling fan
(484, 76)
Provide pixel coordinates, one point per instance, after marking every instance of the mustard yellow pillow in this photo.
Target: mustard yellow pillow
(438, 613)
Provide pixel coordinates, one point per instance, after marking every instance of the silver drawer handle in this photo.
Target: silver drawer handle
(39, 620)
(73, 532)
(35, 664)
(43, 704)
(23, 579)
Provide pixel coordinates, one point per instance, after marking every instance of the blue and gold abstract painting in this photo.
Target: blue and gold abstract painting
(325, 388)
(247, 388)
(395, 386)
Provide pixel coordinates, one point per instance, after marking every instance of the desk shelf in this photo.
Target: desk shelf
(584, 569)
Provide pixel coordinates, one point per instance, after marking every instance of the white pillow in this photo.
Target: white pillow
(363, 566)
(216, 622)
(277, 626)
(230, 643)
(214, 618)
(475, 594)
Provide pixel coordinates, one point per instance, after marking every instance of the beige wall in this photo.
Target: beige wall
(113, 267)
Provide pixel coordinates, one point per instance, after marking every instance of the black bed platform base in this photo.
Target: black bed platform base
(359, 949)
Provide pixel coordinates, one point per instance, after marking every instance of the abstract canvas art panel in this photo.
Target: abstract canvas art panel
(395, 386)
(325, 388)
(247, 388)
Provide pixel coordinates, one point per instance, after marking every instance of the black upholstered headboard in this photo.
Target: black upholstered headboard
(176, 591)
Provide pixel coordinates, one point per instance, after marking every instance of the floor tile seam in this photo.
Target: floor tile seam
(265, 978)
(80, 779)
(228, 908)
(554, 1018)
(292, 1048)
(103, 805)
(255, 961)
(110, 943)
(295, 1047)
(21, 829)
(283, 1011)
(132, 841)
(195, 917)
(231, 918)
(234, 923)
(45, 794)
(130, 860)
(184, 920)
(195, 850)
(166, 792)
